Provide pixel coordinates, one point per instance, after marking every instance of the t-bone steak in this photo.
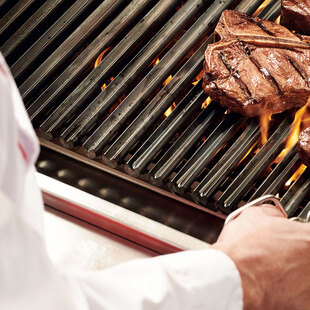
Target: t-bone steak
(256, 66)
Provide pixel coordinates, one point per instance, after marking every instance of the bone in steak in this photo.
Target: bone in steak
(295, 15)
(256, 66)
(304, 146)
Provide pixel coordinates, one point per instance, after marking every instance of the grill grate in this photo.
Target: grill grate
(205, 155)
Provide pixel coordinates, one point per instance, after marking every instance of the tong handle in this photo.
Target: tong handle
(257, 202)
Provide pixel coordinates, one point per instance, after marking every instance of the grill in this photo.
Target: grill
(187, 169)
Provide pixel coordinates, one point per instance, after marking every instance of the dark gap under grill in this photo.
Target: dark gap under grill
(208, 156)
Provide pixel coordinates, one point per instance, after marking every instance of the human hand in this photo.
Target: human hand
(272, 255)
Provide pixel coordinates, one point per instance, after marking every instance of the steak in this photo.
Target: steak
(256, 66)
(304, 146)
(295, 15)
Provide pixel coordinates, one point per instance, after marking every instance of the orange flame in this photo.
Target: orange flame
(167, 80)
(156, 61)
(296, 127)
(261, 7)
(295, 130)
(170, 109)
(247, 153)
(99, 58)
(302, 119)
(278, 20)
(264, 121)
(98, 61)
(206, 103)
(296, 174)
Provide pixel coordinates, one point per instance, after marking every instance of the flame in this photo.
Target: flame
(198, 77)
(278, 20)
(206, 103)
(264, 121)
(247, 153)
(261, 7)
(98, 61)
(301, 120)
(156, 61)
(296, 175)
(167, 80)
(170, 109)
(295, 130)
(99, 58)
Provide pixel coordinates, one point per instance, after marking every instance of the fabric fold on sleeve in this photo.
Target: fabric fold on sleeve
(203, 279)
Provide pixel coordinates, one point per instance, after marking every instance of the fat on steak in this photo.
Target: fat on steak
(295, 15)
(256, 66)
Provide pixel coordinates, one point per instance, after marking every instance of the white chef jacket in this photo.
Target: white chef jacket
(204, 279)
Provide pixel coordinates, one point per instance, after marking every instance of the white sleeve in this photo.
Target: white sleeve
(205, 279)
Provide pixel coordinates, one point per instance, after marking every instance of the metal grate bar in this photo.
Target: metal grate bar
(4, 3)
(30, 25)
(72, 73)
(245, 180)
(152, 81)
(123, 81)
(68, 48)
(205, 153)
(14, 14)
(211, 182)
(159, 104)
(107, 67)
(166, 130)
(279, 175)
(164, 167)
(49, 37)
(304, 213)
(249, 7)
(296, 193)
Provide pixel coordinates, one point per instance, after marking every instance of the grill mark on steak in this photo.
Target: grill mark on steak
(302, 6)
(235, 73)
(265, 73)
(261, 25)
(299, 69)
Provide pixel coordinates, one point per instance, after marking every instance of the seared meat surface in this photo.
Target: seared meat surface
(256, 66)
(295, 15)
(304, 146)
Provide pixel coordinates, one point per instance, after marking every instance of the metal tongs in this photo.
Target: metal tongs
(267, 198)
